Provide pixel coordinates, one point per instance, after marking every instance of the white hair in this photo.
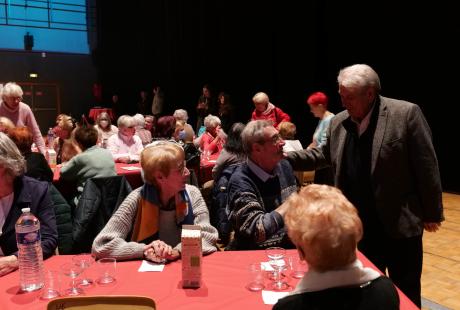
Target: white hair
(211, 121)
(140, 120)
(181, 114)
(126, 121)
(11, 89)
(360, 76)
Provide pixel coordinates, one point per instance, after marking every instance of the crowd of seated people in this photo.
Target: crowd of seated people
(261, 203)
(92, 162)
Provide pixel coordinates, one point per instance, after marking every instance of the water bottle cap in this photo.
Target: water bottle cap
(25, 210)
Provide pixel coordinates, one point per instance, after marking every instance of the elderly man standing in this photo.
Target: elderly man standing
(257, 189)
(384, 161)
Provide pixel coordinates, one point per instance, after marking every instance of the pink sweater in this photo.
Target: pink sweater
(23, 116)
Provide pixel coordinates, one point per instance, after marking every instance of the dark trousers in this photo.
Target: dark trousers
(402, 258)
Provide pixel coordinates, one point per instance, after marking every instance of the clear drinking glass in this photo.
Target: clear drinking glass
(73, 271)
(276, 260)
(107, 268)
(84, 260)
(52, 286)
(255, 277)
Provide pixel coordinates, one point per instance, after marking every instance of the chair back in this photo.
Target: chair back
(99, 200)
(102, 303)
(63, 214)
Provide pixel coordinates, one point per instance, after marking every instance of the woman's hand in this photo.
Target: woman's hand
(8, 264)
(159, 252)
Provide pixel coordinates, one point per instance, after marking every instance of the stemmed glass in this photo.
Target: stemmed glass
(84, 260)
(276, 260)
(73, 271)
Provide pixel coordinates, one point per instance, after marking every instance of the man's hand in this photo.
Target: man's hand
(432, 227)
(282, 209)
(8, 264)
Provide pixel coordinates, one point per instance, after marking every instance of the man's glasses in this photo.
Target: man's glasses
(273, 139)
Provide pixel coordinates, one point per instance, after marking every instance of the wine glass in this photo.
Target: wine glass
(84, 260)
(73, 271)
(276, 260)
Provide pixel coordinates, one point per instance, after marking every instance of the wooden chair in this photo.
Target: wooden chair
(102, 303)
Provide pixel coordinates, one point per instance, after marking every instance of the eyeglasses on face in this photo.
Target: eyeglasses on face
(273, 139)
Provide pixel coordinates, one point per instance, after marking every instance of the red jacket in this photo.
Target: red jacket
(276, 116)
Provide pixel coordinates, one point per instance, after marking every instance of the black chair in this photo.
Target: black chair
(63, 214)
(99, 200)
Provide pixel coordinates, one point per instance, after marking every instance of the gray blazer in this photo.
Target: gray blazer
(404, 167)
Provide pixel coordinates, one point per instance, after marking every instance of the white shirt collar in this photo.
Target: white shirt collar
(353, 274)
(362, 126)
(259, 172)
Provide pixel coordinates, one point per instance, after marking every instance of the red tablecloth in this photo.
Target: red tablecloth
(224, 280)
(132, 172)
(206, 166)
(94, 113)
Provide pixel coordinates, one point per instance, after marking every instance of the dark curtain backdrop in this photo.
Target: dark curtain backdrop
(288, 49)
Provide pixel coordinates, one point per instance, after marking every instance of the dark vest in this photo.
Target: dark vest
(356, 181)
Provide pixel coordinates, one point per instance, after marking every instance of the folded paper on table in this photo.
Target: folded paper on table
(150, 266)
(130, 168)
(271, 297)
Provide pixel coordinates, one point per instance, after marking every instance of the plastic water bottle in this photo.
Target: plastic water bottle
(50, 138)
(30, 256)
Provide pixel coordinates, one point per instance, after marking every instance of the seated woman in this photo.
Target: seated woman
(325, 228)
(125, 146)
(93, 162)
(18, 191)
(150, 123)
(104, 127)
(37, 166)
(213, 139)
(232, 153)
(148, 222)
(141, 132)
(182, 115)
(165, 129)
(63, 144)
(266, 110)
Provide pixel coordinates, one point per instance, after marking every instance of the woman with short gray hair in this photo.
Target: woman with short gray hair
(125, 146)
(213, 139)
(20, 113)
(182, 115)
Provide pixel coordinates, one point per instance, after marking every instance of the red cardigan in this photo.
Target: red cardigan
(276, 116)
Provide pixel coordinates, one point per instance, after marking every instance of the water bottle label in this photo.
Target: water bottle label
(28, 238)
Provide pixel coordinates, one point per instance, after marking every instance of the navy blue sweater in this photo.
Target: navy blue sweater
(252, 203)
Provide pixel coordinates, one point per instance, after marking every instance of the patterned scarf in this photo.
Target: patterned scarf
(146, 225)
(269, 109)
